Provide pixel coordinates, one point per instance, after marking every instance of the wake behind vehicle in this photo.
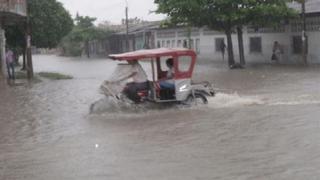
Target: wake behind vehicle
(183, 89)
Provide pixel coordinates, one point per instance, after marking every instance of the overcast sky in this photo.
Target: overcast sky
(112, 10)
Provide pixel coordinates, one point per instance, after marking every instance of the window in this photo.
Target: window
(179, 43)
(297, 44)
(158, 44)
(191, 44)
(163, 43)
(163, 63)
(219, 42)
(184, 63)
(255, 45)
(198, 46)
(168, 44)
(173, 43)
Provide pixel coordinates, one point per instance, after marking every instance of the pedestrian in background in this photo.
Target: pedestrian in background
(10, 63)
(276, 52)
(223, 49)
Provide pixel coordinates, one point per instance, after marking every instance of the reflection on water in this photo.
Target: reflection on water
(263, 124)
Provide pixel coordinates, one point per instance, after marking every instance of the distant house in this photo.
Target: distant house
(140, 36)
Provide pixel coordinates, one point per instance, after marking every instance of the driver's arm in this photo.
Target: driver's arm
(127, 77)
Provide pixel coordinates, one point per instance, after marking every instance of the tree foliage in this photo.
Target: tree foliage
(221, 14)
(85, 21)
(77, 41)
(50, 22)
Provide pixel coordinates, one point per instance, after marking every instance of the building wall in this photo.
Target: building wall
(314, 46)
(140, 41)
(144, 40)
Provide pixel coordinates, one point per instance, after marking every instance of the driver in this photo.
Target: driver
(140, 81)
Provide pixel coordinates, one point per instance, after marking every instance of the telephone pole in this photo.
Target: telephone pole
(304, 35)
(28, 48)
(127, 28)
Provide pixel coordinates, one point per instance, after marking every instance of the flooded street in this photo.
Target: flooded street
(263, 124)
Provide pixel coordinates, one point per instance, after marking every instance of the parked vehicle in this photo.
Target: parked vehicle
(183, 91)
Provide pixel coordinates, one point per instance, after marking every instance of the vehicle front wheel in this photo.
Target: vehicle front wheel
(196, 99)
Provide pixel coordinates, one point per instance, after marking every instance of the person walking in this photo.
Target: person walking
(10, 64)
(276, 52)
(223, 49)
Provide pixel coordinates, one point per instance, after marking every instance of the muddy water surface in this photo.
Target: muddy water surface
(263, 124)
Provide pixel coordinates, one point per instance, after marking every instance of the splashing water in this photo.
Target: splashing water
(222, 100)
(110, 105)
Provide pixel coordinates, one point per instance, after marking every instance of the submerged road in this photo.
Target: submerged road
(264, 124)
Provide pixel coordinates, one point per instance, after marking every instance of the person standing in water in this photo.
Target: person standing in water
(276, 52)
(10, 64)
(223, 49)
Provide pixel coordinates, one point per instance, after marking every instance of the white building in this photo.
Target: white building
(258, 42)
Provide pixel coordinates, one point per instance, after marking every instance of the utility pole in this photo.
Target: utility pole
(304, 35)
(2, 50)
(28, 43)
(127, 28)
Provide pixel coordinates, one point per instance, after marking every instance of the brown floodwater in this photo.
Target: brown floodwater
(263, 124)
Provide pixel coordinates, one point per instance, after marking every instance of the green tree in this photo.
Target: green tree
(85, 21)
(83, 32)
(225, 15)
(85, 25)
(50, 22)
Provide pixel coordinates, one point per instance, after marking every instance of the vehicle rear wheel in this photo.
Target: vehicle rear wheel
(196, 99)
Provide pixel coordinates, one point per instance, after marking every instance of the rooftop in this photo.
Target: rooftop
(151, 53)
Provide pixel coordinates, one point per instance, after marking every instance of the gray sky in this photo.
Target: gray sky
(112, 10)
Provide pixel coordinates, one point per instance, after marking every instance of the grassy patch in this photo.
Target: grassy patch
(54, 76)
(20, 75)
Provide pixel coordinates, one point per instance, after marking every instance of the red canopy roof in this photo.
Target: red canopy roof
(152, 53)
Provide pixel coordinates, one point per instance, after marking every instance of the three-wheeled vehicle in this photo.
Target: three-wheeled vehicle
(184, 90)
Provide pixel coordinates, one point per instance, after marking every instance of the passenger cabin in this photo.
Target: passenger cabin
(183, 65)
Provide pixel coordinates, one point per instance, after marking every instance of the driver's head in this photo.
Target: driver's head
(169, 62)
